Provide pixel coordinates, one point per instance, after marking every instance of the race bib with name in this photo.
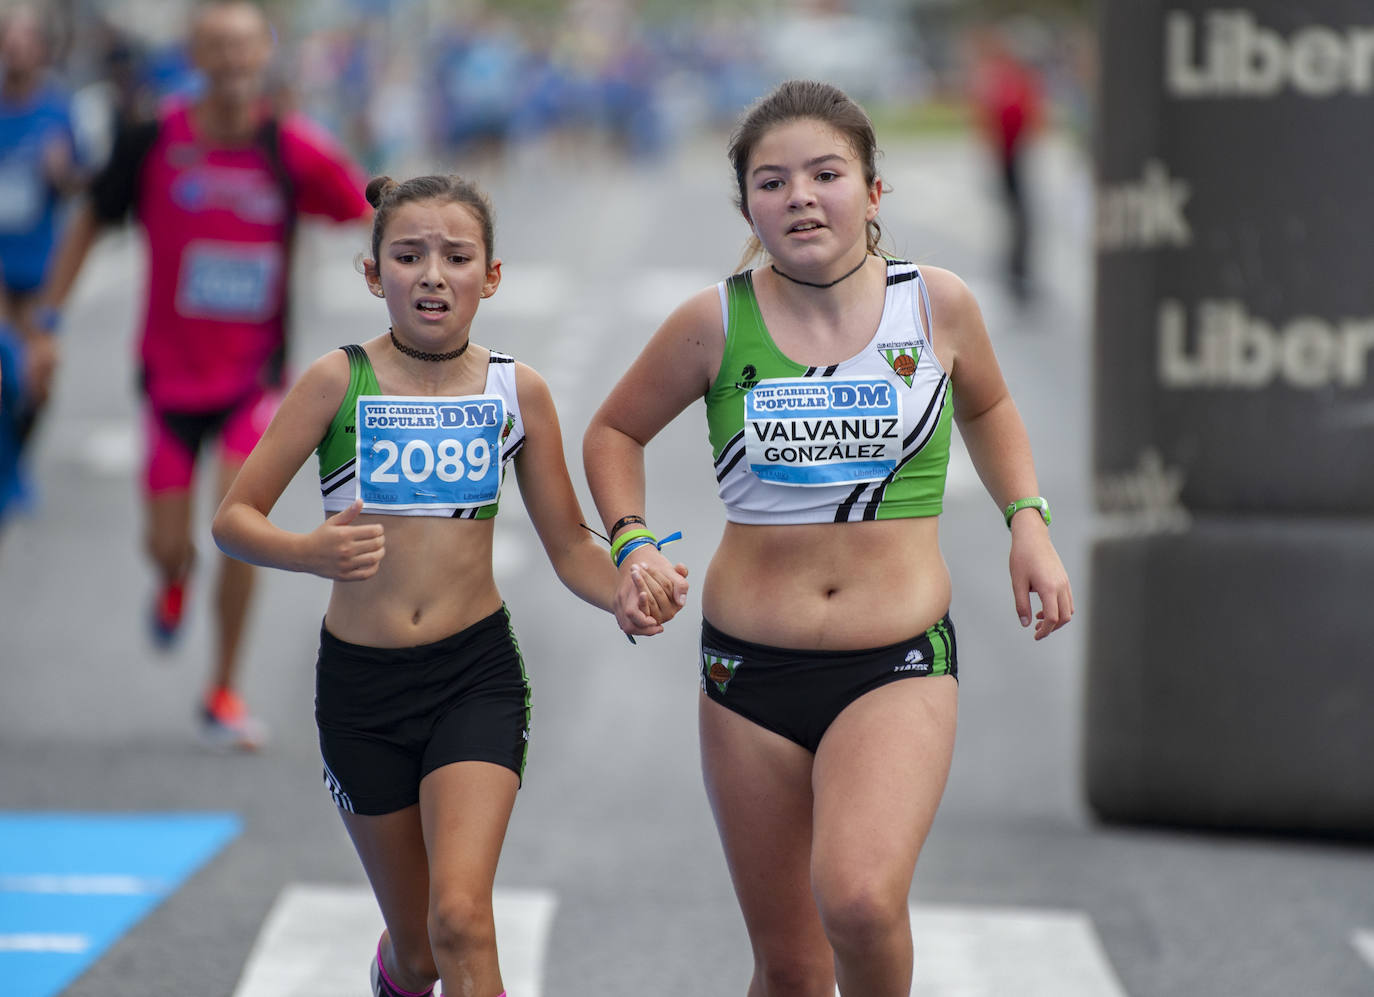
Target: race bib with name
(429, 453)
(229, 282)
(810, 431)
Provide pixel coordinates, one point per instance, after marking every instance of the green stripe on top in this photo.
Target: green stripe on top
(339, 446)
(750, 355)
(919, 486)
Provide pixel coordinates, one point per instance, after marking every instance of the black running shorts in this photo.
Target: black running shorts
(390, 716)
(799, 693)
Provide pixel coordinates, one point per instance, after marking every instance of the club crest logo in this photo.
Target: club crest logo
(748, 377)
(718, 668)
(903, 361)
(510, 424)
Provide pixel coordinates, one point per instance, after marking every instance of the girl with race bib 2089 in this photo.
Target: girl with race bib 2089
(831, 377)
(422, 701)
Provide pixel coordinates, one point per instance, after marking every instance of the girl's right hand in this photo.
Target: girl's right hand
(344, 552)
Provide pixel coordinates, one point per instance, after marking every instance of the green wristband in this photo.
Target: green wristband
(1034, 502)
(626, 537)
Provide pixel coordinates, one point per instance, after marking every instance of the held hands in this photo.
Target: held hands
(339, 550)
(1035, 567)
(652, 590)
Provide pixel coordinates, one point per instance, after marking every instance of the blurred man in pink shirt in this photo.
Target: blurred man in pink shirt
(215, 184)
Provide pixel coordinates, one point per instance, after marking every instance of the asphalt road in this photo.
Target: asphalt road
(612, 819)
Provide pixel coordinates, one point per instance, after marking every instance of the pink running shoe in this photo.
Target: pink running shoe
(382, 985)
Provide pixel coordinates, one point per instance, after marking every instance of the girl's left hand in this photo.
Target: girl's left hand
(651, 593)
(1035, 567)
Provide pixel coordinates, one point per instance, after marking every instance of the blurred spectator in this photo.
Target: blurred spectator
(395, 120)
(216, 182)
(416, 79)
(39, 166)
(480, 66)
(1006, 93)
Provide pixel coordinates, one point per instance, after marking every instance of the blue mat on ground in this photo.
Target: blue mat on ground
(72, 884)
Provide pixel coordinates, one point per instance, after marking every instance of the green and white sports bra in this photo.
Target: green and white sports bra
(866, 438)
(421, 456)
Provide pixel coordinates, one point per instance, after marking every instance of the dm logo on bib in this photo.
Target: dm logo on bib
(903, 360)
(718, 668)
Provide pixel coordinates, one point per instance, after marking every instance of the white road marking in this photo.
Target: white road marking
(317, 942)
(1363, 941)
(86, 885)
(990, 951)
(49, 943)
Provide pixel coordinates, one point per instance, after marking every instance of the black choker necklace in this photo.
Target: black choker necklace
(808, 283)
(422, 355)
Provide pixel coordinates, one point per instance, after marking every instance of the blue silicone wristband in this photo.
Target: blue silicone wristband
(636, 542)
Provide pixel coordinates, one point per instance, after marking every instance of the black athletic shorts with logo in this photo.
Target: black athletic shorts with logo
(389, 716)
(799, 693)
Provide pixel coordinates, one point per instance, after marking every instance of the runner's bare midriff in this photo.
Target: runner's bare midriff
(828, 585)
(435, 580)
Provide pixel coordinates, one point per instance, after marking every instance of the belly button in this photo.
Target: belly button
(415, 617)
(830, 593)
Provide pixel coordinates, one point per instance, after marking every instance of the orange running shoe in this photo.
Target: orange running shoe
(225, 724)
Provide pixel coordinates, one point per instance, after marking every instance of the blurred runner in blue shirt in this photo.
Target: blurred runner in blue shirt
(38, 168)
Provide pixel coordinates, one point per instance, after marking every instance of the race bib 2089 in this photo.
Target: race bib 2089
(427, 453)
(810, 431)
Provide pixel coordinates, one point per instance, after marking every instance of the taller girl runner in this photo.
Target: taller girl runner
(422, 701)
(828, 661)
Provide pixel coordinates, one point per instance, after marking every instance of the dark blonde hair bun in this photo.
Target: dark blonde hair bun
(378, 188)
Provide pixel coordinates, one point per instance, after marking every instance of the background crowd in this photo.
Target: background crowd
(416, 80)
